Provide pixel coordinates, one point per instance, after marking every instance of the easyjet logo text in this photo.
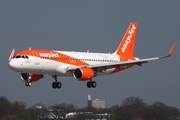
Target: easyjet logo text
(49, 55)
(128, 40)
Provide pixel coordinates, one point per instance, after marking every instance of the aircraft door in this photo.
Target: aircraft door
(72, 60)
(37, 58)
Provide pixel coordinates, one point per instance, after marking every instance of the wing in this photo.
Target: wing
(126, 63)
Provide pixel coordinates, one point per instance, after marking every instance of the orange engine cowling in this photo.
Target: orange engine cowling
(83, 74)
(31, 78)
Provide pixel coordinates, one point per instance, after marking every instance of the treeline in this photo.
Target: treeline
(131, 108)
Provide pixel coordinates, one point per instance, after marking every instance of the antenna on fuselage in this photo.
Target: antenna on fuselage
(30, 48)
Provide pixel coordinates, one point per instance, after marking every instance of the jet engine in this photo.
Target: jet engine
(83, 74)
(31, 78)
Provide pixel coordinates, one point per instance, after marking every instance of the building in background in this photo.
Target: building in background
(96, 103)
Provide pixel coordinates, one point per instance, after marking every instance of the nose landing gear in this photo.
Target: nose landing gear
(28, 84)
(26, 77)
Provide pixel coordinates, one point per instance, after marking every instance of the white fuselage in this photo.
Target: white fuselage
(41, 64)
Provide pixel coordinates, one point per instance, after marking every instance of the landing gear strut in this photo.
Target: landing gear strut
(56, 84)
(26, 77)
(91, 84)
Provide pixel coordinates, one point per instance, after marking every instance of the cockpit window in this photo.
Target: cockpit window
(21, 56)
(26, 57)
(18, 56)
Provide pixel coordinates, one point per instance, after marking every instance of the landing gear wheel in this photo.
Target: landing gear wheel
(28, 84)
(56, 85)
(93, 84)
(89, 84)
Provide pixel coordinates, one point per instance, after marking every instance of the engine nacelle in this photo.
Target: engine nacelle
(31, 78)
(83, 74)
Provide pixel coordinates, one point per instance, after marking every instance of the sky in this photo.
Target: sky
(97, 26)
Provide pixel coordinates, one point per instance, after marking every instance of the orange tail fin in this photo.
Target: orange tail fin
(126, 47)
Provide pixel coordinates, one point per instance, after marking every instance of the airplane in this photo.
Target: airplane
(33, 64)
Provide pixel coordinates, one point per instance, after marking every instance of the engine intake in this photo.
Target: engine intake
(83, 74)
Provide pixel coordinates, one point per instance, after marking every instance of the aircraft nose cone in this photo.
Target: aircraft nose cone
(13, 65)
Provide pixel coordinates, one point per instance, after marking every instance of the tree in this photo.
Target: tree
(133, 103)
(9, 117)
(4, 106)
(130, 108)
(38, 111)
(18, 108)
(160, 111)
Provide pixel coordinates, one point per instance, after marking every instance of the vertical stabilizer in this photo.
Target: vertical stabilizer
(126, 47)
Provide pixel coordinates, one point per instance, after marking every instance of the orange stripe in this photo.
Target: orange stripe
(53, 55)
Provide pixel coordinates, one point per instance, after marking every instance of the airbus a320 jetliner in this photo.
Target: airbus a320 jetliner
(83, 66)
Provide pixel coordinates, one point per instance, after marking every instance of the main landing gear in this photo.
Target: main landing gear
(56, 84)
(91, 84)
